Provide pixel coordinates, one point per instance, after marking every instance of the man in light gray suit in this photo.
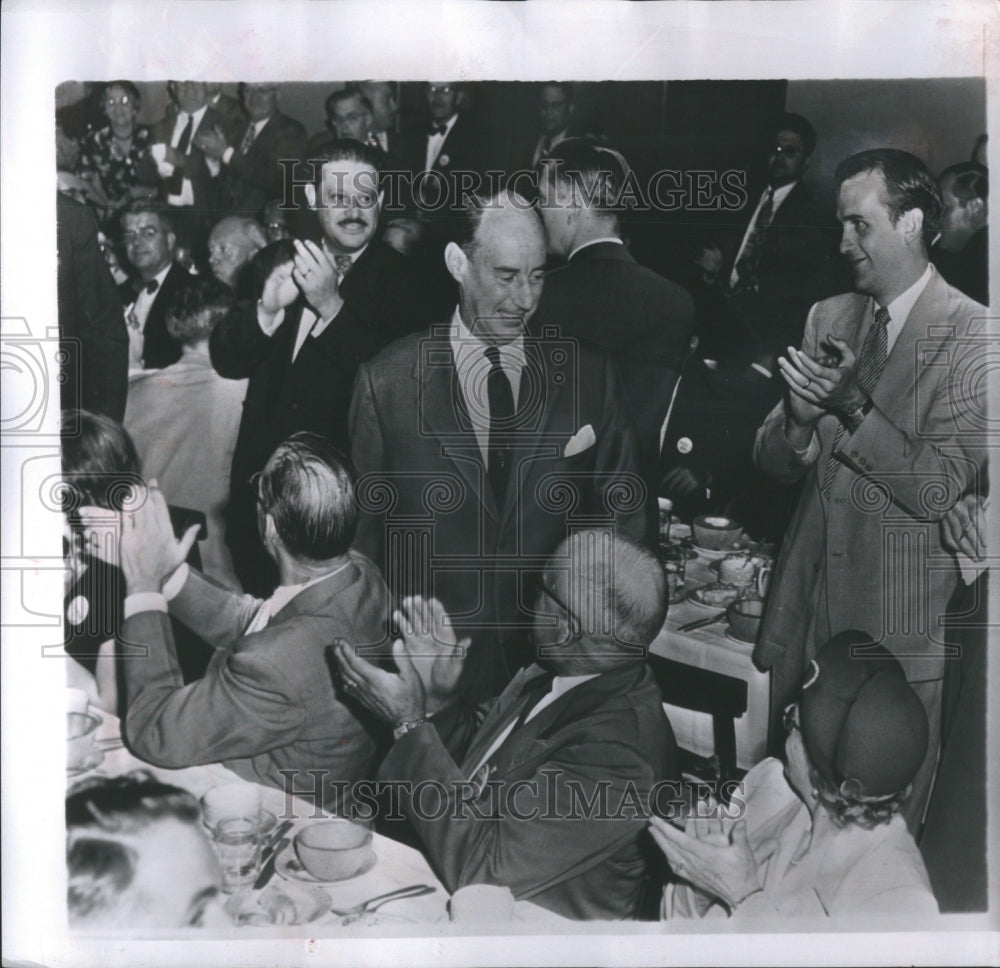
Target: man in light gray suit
(883, 420)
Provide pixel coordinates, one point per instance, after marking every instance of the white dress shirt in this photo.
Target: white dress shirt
(473, 369)
(186, 195)
(436, 141)
(136, 315)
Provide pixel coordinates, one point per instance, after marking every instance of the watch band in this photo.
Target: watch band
(403, 728)
(854, 418)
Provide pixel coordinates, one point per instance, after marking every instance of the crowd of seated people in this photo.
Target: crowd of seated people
(371, 463)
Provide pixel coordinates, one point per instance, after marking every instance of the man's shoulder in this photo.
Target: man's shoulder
(404, 352)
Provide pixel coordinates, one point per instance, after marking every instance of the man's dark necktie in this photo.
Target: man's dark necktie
(176, 184)
(746, 266)
(343, 263)
(248, 138)
(534, 692)
(501, 400)
(871, 363)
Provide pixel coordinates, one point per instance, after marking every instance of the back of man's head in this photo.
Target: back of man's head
(617, 597)
(105, 821)
(595, 173)
(199, 308)
(307, 488)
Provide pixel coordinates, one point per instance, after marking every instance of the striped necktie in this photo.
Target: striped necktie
(871, 363)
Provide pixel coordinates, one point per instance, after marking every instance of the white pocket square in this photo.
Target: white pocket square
(580, 441)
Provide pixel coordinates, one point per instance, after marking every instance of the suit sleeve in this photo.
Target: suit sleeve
(619, 485)
(773, 454)
(217, 614)
(498, 836)
(239, 709)
(237, 344)
(367, 453)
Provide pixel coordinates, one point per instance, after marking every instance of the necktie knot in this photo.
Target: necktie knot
(438, 128)
(151, 286)
(882, 317)
(343, 263)
(493, 355)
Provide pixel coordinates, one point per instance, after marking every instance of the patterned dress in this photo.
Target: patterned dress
(117, 172)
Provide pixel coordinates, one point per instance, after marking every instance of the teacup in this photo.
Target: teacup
(737, 570)
(333, 849)
(716, 533)
(80, 729)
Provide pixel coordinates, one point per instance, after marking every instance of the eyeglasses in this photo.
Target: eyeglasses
(146, 232)
(254, 482)
(789, 150)
(440, 89)
(124, 101)
(790, 719)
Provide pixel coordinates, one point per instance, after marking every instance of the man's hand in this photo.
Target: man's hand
(396, 699)
(833, 389)
(714, 854)
(150, 553)
(963, 528)
(429, 649)
(682, 482)
(211, 142)
(279, 292)
(315, 274)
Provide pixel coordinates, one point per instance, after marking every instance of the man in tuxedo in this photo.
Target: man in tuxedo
(585, 720)
(266, 704)
(555, 109)
(602, 295)
(150, 244)
(256, 162)
(884, 421)
(786, 256)
(480, 447)
(187, 183)
(317, 318)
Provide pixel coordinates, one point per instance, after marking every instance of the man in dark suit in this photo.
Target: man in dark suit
(258, 160)
(384, 100)
(187, 183)
(884, 422)
(961, 253)
(555, 111)
(266, 703)
(316, 320)
(150, 244)
(480, 448)
(90, 314)
(584, 723)
(785, 259)
(603, 296)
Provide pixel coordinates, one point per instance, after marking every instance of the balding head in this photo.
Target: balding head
(498, 261)
(602, 602)
(231, 244)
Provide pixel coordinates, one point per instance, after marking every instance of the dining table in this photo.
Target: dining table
(396, 865)
(714, 649)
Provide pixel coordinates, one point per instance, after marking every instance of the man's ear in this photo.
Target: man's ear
(911, 223)
(171, 241)
(456, 261)
(310, 190)
(977, 209)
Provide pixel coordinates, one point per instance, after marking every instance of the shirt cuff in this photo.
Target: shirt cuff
(810, 454)
(144, 602)
(227, 155)
(173, 585)
(214, 166)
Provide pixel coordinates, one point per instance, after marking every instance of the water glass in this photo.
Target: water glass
(674, 562)
(237, 844)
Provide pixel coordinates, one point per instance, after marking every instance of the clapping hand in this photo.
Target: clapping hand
(315, 273)
(714, 854)
(963, 528)
(430, 648)
(211, 142)
(815, 388)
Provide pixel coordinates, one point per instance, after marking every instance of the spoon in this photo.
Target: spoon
(366, 907)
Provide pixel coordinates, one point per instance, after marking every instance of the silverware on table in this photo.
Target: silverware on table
(366, 907)
(267, 871)
(702, 622)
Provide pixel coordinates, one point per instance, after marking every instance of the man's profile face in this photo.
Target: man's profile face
(149, 246)
(551, 624)
(501, 281)
(348, 205)
(442, 99)
(788, 159)
(957, 216)
(260, 100)
(384, 106)
(191, 95)
(875, 248)
(351, 119)
(554, 109)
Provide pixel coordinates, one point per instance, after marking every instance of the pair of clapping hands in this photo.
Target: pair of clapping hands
(429, 658)
(713, 853)
(963, 528)
(826, 384)
(313, 272)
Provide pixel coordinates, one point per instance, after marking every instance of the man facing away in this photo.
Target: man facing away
(585, 720)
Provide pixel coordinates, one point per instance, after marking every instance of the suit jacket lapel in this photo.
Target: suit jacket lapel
(442, 413)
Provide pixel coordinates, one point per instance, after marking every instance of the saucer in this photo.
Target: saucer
(712, 554)
(695, 597)
(290, 867)
(279, 904)
(94, 759)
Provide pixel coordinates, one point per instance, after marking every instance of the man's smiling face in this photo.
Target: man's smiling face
(348, 205)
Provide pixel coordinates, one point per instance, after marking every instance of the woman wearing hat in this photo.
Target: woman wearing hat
(820, 835)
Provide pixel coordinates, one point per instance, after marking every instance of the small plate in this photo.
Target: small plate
(94, 759)
(289, 867)
(284, 904)
(695, 596)
(709, 554)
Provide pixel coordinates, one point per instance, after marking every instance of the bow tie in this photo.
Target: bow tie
(437, 128)
(151, 286)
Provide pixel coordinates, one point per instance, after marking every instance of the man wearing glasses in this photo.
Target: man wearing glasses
(786, 257)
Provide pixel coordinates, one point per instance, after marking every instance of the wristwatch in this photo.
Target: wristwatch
(853, 418)
(404, 727)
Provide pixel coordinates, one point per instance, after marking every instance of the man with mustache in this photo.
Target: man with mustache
(337, 303)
